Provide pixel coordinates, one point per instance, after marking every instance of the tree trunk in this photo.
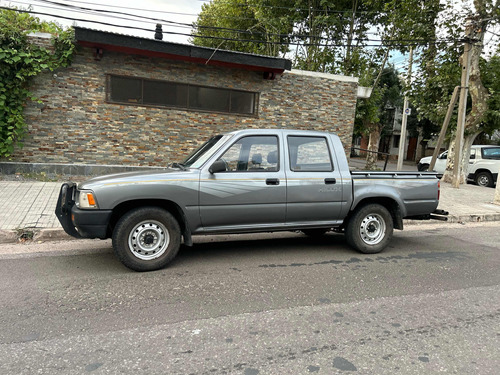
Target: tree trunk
(479, 98)
(464, 160)
(373, 143)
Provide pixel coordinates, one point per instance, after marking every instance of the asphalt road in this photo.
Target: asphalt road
(257, 304)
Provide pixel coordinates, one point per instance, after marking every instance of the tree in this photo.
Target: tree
(479, 95)
(244, 26)
(20, 61)
(491, 80)
(375, 114)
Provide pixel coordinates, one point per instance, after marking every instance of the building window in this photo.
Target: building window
(395, 140)
(140, 91)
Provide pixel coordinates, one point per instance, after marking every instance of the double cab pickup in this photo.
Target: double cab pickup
(242, 182)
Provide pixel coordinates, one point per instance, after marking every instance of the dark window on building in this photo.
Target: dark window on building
(165, 94)
(209, 99)
(242, 102)
(141, 91)
(125, 90)
(396, 139)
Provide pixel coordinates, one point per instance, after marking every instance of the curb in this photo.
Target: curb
(42, 234)
(7, 236)
(58, 234)
(452, 219)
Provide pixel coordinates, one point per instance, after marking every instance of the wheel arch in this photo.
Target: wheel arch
(170, 206)
(390, 204)
(482, 170)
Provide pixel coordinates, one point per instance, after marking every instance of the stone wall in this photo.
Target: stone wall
(74, 123)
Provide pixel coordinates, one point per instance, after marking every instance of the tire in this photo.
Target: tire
(369, 229)
(146, 239)
(316, 232)
(423, 167)
(484, 179)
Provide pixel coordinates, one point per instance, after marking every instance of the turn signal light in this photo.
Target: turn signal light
(90, 198)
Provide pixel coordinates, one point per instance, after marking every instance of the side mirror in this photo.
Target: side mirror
(473, 156)
(218, 166)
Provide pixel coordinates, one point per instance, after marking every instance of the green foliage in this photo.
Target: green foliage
(379, 108)
(490, 70)
(20, 62)
(254, 28)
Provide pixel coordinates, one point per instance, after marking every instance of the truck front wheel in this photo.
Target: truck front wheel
(146, 239)
(369, 229)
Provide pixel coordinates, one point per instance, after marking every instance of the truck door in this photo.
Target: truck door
(251, 192)
(314, 188)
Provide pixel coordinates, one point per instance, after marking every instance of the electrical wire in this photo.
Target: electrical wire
(179, 24)
(393, 43)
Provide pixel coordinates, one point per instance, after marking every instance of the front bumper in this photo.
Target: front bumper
(80, 223)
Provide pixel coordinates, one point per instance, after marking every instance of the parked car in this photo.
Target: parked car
(243, 182)
(484, 163)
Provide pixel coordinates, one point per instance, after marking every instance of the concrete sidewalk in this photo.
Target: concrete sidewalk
(28, 207)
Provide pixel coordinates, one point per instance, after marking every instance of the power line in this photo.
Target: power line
(131, 8)
(78, 8)
(289, 36)
(386, 43)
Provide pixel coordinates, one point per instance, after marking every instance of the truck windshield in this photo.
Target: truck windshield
(199, 156)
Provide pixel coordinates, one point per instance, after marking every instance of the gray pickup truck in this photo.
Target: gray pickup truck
(242, 182)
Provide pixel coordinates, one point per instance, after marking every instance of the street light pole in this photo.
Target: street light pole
(402, 138)
(462, 106)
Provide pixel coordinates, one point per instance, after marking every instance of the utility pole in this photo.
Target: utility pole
(402, 138)
(462, 105)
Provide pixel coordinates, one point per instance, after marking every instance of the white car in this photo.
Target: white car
(484, 163)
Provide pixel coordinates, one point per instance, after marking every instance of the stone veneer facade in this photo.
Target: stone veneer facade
(74, 123)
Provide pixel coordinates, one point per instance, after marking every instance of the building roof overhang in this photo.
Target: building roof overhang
(156, 48)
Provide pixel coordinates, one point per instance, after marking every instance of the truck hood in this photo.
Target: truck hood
(150, 175)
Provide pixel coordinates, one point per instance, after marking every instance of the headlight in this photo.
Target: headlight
(86, 199)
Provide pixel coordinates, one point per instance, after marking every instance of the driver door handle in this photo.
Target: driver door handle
(272, 181)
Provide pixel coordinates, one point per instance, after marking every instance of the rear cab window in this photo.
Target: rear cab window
(309, 154)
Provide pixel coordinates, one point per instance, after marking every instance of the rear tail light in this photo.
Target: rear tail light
(439, 189)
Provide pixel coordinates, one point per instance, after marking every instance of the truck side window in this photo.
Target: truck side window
(309, 154)
(255, 154)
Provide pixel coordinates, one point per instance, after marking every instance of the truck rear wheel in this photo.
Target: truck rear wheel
(146, 239)
(369, 229)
